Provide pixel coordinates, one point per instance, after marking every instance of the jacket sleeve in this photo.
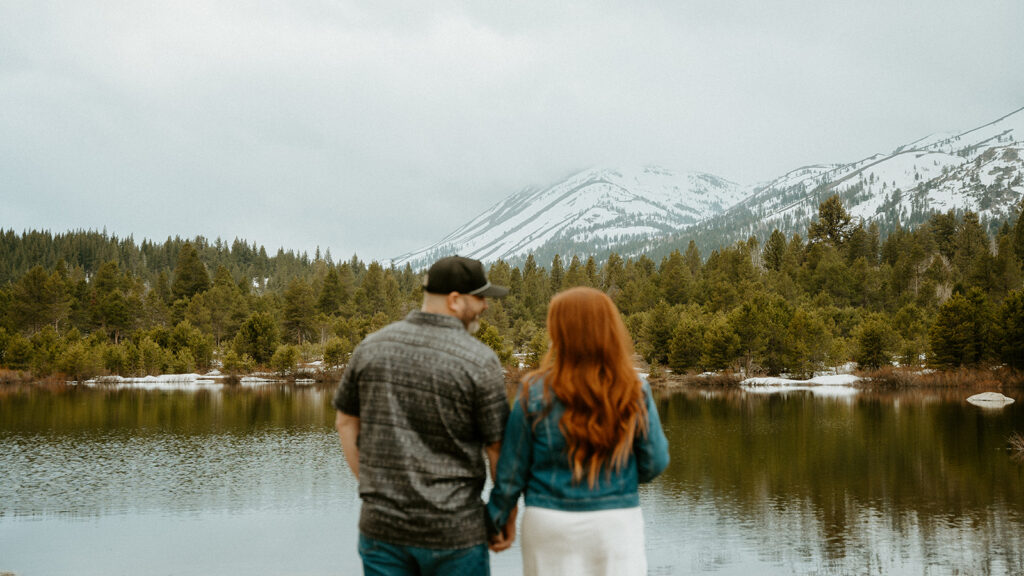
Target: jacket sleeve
(651, 449)
(513, 466)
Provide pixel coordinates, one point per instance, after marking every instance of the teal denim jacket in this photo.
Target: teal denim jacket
(534, 461)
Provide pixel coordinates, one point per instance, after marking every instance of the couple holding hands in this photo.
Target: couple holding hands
(422, 401)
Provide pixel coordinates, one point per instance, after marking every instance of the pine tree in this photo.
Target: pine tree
(39, 299)
(1011, 330)
(488, 334)
(658, 330)
(808, 343)
(575, 275)
(675, 279)
(163, 287)
(336, 351)
(331, 295)
(692, 258)
(686, 345)
(190, 276)
(875, 342)
(285, 359)
(258, 337)
(960, 334)
(613, 274)
(972, 259)
(557, 274)
(590, 269)
(1018, 233)
(536, 349)
(774, 251)
(721, 344)
(760, 323)
(299, 310)
(1006, 268)
(833, 224)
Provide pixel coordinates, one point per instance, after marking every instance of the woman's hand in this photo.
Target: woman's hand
(504, 539)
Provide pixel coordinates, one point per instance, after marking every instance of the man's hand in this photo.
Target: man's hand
(503, 541)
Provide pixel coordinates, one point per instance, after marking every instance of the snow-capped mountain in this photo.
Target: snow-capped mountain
(589, 212)
(979, 170)
(654, 210)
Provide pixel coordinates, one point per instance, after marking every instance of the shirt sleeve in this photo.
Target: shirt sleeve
(346, 397)
(491, 409)
(651, 449)
(513, 466)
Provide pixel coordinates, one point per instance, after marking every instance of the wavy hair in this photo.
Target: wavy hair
(589, 368)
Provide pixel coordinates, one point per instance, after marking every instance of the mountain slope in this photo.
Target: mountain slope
(653, 210)
(979, 170)
(596, 209)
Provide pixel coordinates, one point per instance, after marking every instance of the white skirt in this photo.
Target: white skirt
(596, 543)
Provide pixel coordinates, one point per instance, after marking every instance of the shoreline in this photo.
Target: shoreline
(889, 378)
(305, 376)
(886, 379)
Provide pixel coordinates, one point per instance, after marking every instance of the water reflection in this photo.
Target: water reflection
(99, 452)
(874, 483)
(794, 483)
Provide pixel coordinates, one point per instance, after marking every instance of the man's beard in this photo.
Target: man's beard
(472, 323)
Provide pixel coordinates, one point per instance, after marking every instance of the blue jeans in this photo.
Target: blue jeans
(383, 559)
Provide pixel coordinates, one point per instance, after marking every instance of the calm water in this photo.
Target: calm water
(252, 481)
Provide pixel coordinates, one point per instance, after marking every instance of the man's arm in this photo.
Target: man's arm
(504, 539)
(348, 432)
(493, 451)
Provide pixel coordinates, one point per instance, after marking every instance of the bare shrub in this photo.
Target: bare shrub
(993, 379)
(1017, 445)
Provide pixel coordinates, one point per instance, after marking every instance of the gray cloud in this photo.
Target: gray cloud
(376, 128)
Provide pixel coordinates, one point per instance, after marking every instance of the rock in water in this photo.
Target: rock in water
(990, 400)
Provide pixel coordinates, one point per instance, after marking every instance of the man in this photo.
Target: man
(418, 404)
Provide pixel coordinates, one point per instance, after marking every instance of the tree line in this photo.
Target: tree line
(944, 294)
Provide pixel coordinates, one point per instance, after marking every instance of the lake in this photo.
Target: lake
(252, 481)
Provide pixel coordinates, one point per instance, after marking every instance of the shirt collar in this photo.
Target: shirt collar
(443, 320)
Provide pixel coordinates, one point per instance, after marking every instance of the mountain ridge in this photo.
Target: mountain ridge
(653, 209)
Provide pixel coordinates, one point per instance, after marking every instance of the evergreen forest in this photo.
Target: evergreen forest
(945, 294)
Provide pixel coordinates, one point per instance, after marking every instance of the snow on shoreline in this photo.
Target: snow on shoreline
(829, 385)
(828, 380)
(212, 379)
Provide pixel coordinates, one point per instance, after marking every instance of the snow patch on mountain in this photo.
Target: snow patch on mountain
(601, 205)
(633, 210)
(978, 170)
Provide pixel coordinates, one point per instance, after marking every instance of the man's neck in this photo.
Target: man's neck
(436, 304)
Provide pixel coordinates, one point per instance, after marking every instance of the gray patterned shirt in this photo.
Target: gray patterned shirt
(429, 396)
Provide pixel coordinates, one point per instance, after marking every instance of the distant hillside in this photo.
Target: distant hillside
(595, 211)
(980, 170)
(654, 210)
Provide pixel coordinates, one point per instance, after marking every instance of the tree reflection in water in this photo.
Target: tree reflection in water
(872, 483)
(863, 483)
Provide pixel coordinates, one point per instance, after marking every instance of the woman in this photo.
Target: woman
(583, 433)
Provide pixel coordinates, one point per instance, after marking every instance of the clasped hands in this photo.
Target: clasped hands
(503, 540)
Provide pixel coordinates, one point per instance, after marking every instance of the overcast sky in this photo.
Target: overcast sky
(378, 127)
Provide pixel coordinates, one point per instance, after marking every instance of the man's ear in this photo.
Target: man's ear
(452, 299)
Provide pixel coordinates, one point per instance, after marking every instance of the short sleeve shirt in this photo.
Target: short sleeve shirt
(429, 397)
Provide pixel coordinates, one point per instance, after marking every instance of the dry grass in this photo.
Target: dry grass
(14, 377)
(513, 376)
(1017, 443)
(727, 379)
(996, 379)
(26, 377)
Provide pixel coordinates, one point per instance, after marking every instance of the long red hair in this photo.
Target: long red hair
(589, 368)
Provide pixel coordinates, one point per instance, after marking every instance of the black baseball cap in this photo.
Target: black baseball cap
(462, 275)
